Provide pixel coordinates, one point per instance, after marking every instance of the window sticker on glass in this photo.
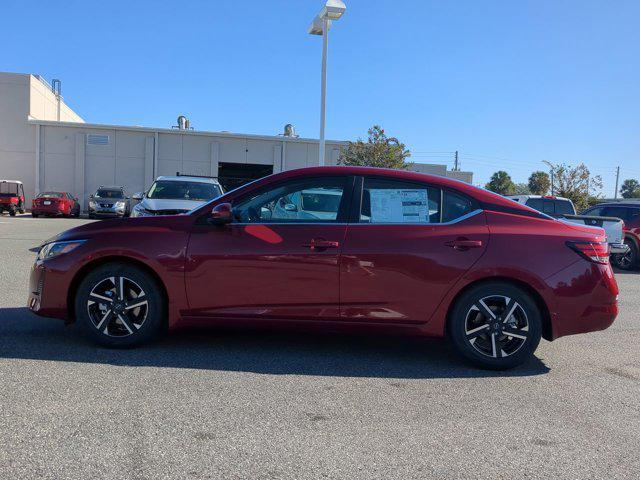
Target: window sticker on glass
(399, 206)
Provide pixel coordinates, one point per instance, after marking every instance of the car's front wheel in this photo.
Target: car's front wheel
(120, 305)
(495, 325)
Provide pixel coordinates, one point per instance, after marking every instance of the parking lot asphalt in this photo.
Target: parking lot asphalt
(260, 405)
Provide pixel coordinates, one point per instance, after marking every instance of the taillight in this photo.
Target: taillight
(596, 252)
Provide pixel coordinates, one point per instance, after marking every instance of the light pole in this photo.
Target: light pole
(332, 10)
(551, 167)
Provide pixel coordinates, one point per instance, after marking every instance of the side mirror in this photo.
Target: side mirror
(138, 195)
(265, 213)
(290, 207)
(221, 214)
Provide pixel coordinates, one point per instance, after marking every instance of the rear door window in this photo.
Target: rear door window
(396, 201)
(618, 212)
(456, 206)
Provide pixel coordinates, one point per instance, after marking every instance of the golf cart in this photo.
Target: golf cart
(11, 197)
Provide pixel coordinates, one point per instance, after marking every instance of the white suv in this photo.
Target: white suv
(171, 195)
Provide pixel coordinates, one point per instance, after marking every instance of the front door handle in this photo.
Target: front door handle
(463, 244)
(321, 244)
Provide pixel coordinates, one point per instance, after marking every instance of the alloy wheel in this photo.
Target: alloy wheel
(496, 326)
(117, 306)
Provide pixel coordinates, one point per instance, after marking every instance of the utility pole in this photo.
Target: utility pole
(546, 162)
(615, 194)
(455, 163)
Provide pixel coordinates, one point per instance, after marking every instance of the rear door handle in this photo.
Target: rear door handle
(464, 244)
(321, 244)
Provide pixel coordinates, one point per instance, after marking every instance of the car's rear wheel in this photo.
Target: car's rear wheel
(119, 305)
(495, 325)
(626, 261)
(12, 213)
(34, 215)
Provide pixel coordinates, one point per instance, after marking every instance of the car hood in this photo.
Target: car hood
(170, 204)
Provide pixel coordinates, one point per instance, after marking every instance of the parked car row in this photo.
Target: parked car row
(169, 195)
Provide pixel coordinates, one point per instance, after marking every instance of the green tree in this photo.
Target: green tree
(630, 188)
(576, 183)
(501, 183)
(539, 183)
(522, 189)
(378, 151)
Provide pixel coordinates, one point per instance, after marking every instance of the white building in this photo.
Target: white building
(49, 147)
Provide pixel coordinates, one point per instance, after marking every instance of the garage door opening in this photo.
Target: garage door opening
(233, 175)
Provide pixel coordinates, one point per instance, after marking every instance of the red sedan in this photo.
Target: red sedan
(338, 247)
(54, 204)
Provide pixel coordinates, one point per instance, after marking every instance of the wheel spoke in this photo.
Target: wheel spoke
(136, 305)
(474, 332)
(120, 288)
(104, 321)
(102, 298)
(514, 332)
(511, 307)
(494, 347)
(486, 310)
(127, 323)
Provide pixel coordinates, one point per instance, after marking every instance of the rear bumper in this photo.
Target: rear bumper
(582, 298)
(47, 211)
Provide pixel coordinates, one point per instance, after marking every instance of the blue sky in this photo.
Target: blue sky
(506, 83)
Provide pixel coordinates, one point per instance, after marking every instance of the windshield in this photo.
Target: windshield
(178, 190)
(50, 195)
(109, 193)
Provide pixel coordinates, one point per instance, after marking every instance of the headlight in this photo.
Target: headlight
(58, 248)
(139, 211)
(120, 204)
(92, 204)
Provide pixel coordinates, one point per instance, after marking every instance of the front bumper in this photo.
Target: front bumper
(107, 212)
(619, 248)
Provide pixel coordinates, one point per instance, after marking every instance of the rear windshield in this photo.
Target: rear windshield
(8, 189)
(174, 190)
(51, 195)
(109, 193)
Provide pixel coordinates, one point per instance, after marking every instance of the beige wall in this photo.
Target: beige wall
(21, 96)
(69, 162)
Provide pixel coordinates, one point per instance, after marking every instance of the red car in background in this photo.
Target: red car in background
(329, 247)
(54, 204)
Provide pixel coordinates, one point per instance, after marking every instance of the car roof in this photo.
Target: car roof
(186, 178)
(111, 187)
(11, 181)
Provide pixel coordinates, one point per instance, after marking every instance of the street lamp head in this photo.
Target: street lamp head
(317, 26)
(333, 9)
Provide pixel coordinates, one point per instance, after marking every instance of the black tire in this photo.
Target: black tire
(142, 324)
(629, 260)
(77, 213)
(34, 215)
(490, 346)
(12, 213)
(92, 216)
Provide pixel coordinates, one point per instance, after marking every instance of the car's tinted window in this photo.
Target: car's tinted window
(594, 212)
(624, 213)
(455, 206)
(564, 207)
(303, 201)
(393, 201)
(109, 193)
(534, 203)
(548, 206)
(183, 190)
(50, 195)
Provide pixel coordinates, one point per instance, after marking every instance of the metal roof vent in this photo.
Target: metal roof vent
(183, 123)
(290, 131)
